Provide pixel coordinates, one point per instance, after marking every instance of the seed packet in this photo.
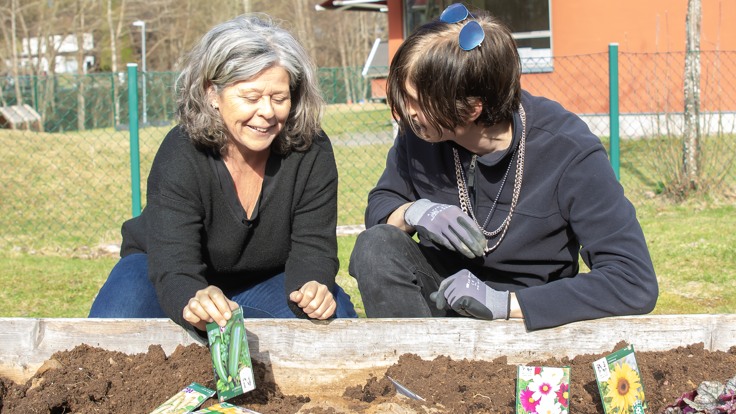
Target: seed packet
(231, 357)
(226, 408)
(619, 382)
(542, 390)
(186, 400)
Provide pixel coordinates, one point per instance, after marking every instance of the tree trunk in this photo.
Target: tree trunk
(344, 47)
(691, 139)
(114, 59)
(14, 45)
(81, 70)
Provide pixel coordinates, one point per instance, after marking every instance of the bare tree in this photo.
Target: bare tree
(305, 30)
(115, 32)
(14, 46)
(356, 34)
(82, 28)
(41, 46)
(691, 141)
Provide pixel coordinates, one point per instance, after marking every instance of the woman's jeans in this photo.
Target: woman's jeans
(128, 293)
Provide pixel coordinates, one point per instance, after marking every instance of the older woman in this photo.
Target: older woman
(242, 195)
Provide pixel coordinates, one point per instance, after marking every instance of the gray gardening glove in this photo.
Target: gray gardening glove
(467, 295)
(446, 225)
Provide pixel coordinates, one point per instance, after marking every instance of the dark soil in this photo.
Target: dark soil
(92, 380)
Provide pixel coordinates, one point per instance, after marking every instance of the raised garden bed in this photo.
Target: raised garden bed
(457, 365)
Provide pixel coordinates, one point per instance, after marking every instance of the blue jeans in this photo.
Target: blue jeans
(128, 293)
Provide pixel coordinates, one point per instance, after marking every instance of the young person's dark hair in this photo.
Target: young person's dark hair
(506, 192)
(449, 79)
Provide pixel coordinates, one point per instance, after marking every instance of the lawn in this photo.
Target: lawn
(66, 194)
(693, 252)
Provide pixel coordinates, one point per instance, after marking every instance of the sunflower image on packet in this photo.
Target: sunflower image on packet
(619, 383)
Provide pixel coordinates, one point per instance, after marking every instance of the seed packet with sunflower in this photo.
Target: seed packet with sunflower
(542, 390)
(619, 382)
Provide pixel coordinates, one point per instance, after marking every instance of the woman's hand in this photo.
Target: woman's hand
(315, 300)
(208, 305)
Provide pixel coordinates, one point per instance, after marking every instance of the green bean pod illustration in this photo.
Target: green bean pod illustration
(236, 339)
(216, 350)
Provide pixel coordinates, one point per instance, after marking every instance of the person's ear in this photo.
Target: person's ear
(476, 109)
(213, 98)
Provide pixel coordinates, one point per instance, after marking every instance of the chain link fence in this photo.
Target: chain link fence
(67, 179)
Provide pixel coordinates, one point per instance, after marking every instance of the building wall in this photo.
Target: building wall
(642, 26)
(651, 43)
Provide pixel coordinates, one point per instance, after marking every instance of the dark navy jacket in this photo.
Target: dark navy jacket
(571, 205)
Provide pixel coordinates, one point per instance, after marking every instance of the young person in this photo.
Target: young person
(506, 191)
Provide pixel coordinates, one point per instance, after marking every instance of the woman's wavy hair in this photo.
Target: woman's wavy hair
(449, 80)
(238, 50)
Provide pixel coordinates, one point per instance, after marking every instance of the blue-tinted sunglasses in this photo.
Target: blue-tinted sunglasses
(472, 34)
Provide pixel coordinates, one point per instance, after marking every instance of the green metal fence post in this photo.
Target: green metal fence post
(35, 93)
(135, 162)
(615, 146)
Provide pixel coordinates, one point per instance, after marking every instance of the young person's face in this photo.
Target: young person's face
(255, 111)
(422, 128)
(425, 130)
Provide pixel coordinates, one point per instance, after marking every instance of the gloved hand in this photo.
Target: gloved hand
(467, 295)
(446, 225)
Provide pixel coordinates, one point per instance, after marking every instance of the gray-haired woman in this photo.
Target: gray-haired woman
(242, 195)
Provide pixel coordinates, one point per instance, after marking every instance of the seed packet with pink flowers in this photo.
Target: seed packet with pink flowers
(619, 382)
(542, 390)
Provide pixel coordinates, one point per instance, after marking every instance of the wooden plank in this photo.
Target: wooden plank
(307, 357)
(25, 343)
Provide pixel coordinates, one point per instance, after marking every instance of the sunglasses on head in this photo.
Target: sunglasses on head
(472, 34)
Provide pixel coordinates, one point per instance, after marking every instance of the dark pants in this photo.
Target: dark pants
(394, 275)
(128, 293)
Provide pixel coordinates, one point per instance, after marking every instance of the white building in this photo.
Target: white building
(36, 52)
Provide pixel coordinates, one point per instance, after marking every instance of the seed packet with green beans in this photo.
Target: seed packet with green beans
(619, 383)
(225, 408)
(231, 357)
(186, 400)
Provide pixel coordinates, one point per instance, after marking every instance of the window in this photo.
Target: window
(529, 20)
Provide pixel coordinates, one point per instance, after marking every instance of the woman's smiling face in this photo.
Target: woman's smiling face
(255, 111)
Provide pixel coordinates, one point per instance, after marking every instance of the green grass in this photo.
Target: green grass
(37, 285)
(357, 174)
(694, 252)
(71, 189)
(339, 121)
(64, 194)
(693, 248)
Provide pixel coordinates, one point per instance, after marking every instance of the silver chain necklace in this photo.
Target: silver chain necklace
(462, 188)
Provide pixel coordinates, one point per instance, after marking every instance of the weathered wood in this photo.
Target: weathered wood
(308, 357)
